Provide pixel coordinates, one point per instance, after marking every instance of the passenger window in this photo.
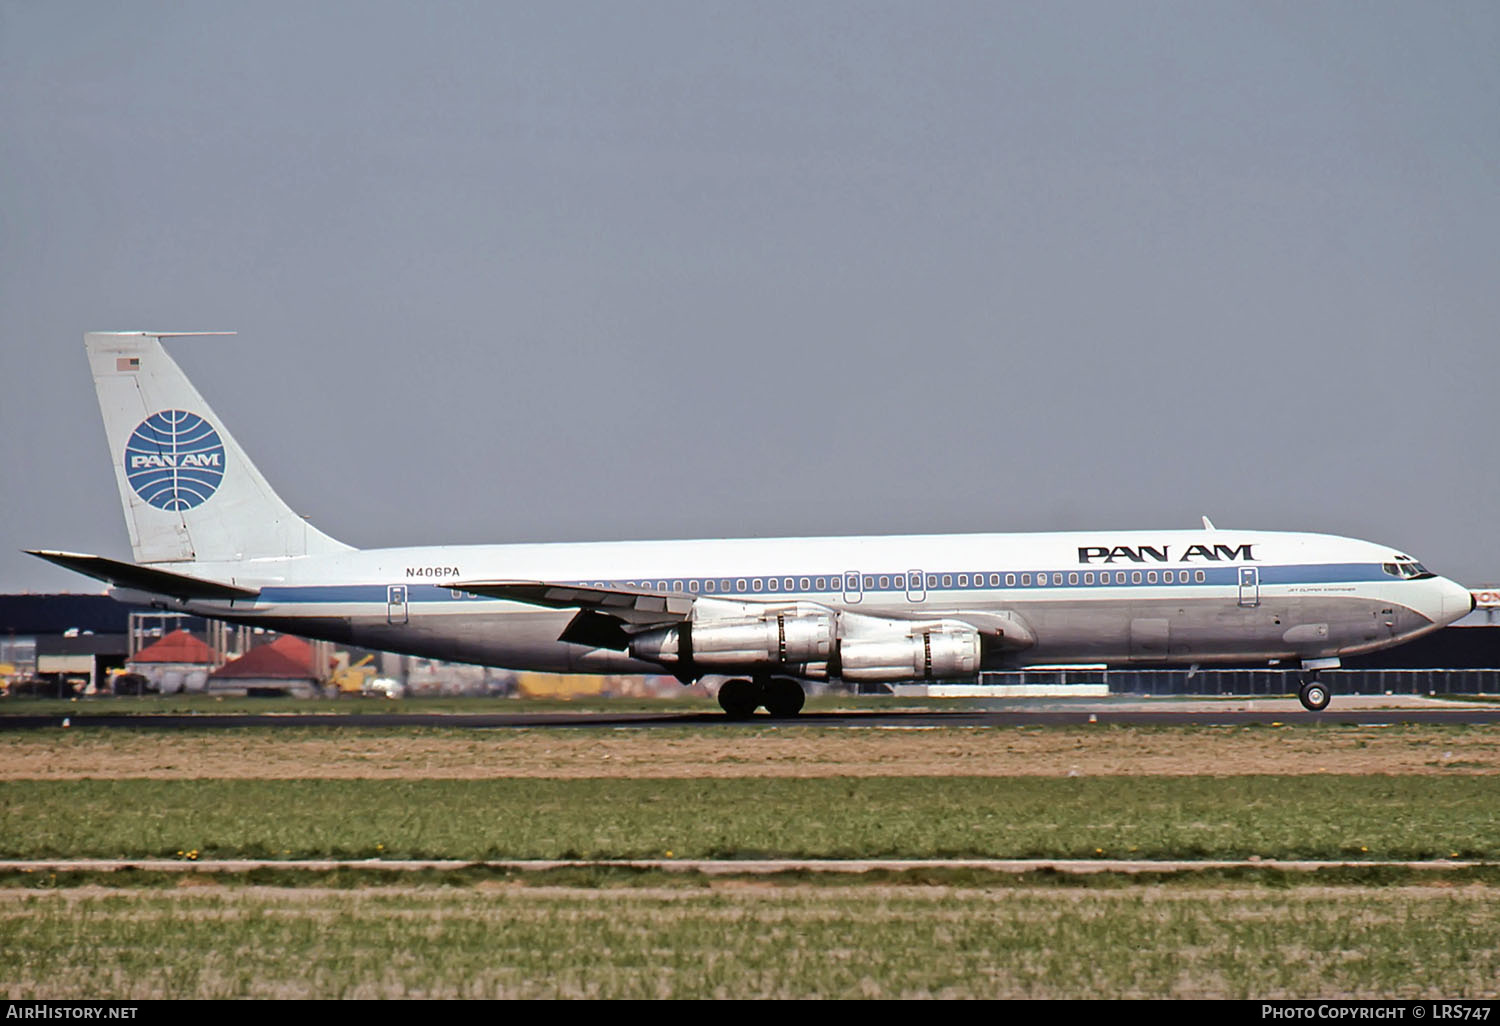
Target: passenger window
(708, 585)
(947, 580)
(885, 581)
(772, 584)
(1072, 578)
(1088, 578)
(739, 585)
(1198, 576)
(822, 584)
(787, 584)
(901, 582)
(1119, 576)
(1010, 580)
(1135, 577)
(994, 580)
(963, 580)
(804, 584)
(692, 586)
(932, 580)
(1150, 576)
(1025, 580)
(869, 582)
(755, 584)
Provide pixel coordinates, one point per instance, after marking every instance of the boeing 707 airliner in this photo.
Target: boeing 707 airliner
(209, 536)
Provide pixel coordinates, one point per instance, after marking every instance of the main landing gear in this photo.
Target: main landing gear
(1313, 695)
(782, 697)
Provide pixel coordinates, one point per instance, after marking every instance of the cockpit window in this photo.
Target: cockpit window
(1407, 569)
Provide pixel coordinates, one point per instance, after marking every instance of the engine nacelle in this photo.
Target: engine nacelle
(929, 651)
(778, 638)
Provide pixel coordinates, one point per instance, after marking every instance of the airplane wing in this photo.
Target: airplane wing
(606, 616)
(639, 606)
(144, 578)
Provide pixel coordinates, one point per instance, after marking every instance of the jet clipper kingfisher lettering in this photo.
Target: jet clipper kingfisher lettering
(210, 536)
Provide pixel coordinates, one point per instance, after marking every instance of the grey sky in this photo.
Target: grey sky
(552, 272)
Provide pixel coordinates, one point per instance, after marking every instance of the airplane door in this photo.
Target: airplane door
(1249, 586)
(395, 604)
(1150, 640)
(852, 590)
(916, 586)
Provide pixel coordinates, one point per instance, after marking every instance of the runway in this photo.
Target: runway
(1353, 710)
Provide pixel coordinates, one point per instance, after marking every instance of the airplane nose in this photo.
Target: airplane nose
(1457, 601)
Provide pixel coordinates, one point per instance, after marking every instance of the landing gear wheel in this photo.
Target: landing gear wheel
(783, 697)
(1314, 696)
(739, 698)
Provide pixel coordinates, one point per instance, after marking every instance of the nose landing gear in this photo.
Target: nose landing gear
(1313, 696)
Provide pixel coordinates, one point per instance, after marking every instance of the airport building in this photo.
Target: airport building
(54, 639)
(179, 661)
(69, 644)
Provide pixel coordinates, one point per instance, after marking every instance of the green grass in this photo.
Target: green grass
(737, 941)
(486, 875)
(1322, 817)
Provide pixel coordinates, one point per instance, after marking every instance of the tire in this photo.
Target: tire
(1314, 696)
(739, 698)
(784, 697)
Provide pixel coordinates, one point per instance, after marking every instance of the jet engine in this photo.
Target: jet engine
(927, 651)
(778, 637)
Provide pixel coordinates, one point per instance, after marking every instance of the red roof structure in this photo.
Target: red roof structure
(286, 658)
(177, 647)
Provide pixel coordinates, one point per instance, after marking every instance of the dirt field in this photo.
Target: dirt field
(772, 752)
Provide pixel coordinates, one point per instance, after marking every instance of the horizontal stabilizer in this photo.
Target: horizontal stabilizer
(629, 605)
(144, 578)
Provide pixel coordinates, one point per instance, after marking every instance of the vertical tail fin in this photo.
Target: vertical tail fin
(189, 491)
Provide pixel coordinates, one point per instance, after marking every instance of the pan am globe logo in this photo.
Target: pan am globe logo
(174, 460)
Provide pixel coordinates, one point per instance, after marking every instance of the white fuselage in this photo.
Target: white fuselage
(1151, 597)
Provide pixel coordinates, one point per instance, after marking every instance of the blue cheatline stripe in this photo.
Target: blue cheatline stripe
(1135, 576)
